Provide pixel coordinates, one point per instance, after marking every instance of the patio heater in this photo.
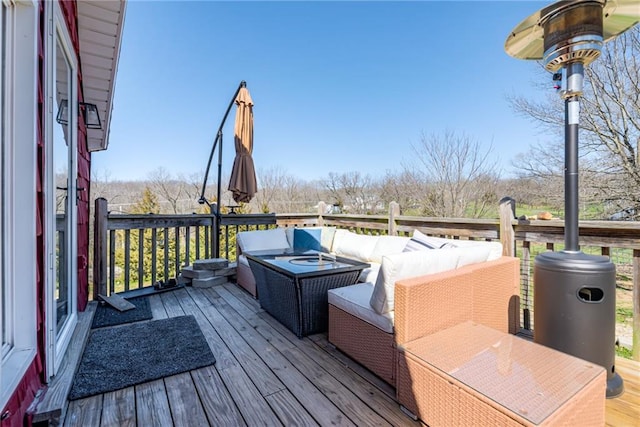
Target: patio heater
(574, 293)
(203, 200)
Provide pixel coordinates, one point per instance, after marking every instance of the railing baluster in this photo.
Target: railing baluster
(207, 253)
(187, 245)
(154, 252)
(140, 258)
(112, 261)
(176, 231)
(197, 242)
(127, 258)
(165, 270)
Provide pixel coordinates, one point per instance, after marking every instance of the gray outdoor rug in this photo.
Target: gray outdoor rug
(108, 316)
(127, 355)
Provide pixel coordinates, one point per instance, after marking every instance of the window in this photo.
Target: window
(18, 118)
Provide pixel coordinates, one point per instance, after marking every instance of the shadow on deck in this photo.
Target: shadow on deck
(264, 375)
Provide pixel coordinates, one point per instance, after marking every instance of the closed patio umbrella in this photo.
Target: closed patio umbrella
(243, 175)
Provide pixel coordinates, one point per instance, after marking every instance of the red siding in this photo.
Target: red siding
(34, 377)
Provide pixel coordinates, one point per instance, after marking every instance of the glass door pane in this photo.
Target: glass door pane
(63, 197)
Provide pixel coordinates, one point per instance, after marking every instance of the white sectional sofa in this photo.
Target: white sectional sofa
(362, 316)
(345, 243)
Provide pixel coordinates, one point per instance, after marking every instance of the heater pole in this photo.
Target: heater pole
(575, 77)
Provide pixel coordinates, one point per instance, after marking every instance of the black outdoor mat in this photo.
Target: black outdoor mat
(127, 355)
(108, 316)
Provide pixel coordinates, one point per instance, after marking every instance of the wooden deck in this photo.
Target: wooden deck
(264, 375)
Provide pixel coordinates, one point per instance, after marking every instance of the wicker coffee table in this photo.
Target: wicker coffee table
(293, 286)
(470, 374)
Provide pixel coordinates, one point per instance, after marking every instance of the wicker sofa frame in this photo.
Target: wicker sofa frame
(486, 293)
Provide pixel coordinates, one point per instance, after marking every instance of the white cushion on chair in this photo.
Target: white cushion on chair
(354, 300)
(419, 263)
(262, 240)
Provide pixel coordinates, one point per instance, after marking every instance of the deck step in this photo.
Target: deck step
(50, 407)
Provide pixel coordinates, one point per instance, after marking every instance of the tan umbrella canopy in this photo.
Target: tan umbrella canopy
(243, 183)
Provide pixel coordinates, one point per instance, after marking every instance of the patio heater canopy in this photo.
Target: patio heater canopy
(571, 30)
(574, 293)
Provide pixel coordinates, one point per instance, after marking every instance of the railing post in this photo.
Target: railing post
(100, 247)
(635, 352)
(394, 211)
(215, 235)
(507, 213)
(321, 210)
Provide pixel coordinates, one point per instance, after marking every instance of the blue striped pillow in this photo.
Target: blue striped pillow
(422, 242)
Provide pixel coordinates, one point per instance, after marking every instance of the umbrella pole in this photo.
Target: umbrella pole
(202, 200)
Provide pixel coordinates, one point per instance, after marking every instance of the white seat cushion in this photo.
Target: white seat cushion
(354, 300)
(419, 263)
(262, 240)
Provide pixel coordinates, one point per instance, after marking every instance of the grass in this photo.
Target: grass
(623, 352)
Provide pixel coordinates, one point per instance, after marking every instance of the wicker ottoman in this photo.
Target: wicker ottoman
(471, 374)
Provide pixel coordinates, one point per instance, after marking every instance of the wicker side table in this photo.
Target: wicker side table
(474, 375)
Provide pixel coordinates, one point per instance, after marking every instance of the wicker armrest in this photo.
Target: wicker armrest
(485, 293)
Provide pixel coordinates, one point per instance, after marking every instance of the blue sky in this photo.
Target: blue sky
(337, 86)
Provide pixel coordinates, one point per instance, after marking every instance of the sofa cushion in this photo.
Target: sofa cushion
(354, 300)
(352, 245)
(262, 240)
(387, 245)
(306, 239)
(421, 242)
(369, 274)
(495, 248)
(418, 263)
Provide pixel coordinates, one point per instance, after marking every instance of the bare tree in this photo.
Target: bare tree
(353, 192)
(402, 187)
(271, 181)
(458, 177)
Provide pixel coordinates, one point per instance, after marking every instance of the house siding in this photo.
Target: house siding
(14, 414)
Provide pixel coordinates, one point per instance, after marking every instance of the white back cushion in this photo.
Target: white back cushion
(261, 240)
(352, 245)
(387, 245)
(421, 241)
(419, 263)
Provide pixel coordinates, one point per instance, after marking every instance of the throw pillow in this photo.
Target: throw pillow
(307, 239)
(422, 242)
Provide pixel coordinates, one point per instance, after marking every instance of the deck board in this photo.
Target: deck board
(265, 375)
(152, 404)
(119, 408)
(184, 401)
(218, 404)
(315, 402)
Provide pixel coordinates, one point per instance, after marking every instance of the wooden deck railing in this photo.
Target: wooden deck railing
(172, 241)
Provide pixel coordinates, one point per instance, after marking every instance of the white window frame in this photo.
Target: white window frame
(19, 179)
(58, 341)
